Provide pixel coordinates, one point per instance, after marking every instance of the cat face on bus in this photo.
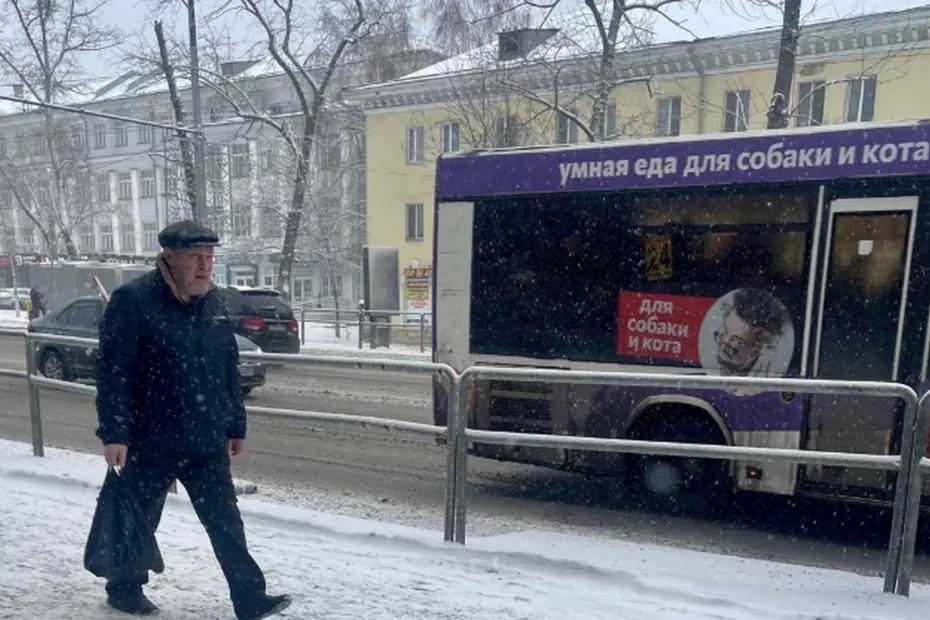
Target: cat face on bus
(750, 325)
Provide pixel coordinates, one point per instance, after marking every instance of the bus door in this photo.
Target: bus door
(859, 330)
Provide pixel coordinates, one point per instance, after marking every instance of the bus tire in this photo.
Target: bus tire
(679, 485)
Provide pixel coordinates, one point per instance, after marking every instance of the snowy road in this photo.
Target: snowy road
(340, 567)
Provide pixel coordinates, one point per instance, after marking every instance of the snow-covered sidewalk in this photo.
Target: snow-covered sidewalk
(341, 567)
(9, 320)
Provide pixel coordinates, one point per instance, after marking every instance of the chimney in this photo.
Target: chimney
(514, 44)
(235, 67)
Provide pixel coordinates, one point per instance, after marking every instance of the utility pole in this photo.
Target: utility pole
(200, 180)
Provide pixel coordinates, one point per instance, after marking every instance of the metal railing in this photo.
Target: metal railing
(909, 464)
(364, 320)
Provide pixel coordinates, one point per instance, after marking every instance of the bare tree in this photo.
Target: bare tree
(184, 141)
(309, 66)
(42, 42)
(573, 70)
(457, 26)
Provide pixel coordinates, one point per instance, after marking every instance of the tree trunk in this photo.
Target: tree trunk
(295, 212)
(184, 138)
(784, 74)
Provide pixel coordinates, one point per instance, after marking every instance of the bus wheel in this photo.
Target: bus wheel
(682, 485)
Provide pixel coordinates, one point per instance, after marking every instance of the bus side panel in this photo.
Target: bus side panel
(452, 271)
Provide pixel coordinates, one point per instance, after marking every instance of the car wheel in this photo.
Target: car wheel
(246, 391)
(53, 366)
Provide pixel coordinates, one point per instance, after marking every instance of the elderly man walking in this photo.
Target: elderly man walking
(169, 406)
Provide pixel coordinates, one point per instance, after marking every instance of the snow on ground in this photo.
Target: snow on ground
(322, 340)
(9, 320)
(342, 567)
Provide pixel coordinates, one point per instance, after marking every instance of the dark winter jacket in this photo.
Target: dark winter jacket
(167, 376)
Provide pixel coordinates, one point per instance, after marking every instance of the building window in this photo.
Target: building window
(810, 103)
(610, 121)
(106, 237)
(332, 286)
(103, 188)
(149, 236)
(100, 136)
(506, 131)
(77, 136)
(736, 117)
(242, 219)
(303, 288)
(415, 145)
(147, 183)
(29, 237)
(165, 132)
(330, 152)
(124, 186)
(450, 137)
(145, 134)
(239, 160)
(122, 133)
(668, 117)
(567, 130)
(87, 239)
(127, 238)
(415, 222)
(860, 99)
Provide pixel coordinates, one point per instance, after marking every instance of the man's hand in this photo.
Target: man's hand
(236, 446)
(115, 454)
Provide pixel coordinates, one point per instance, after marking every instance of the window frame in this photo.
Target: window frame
(451, 137)
(415, 152)
(414, 217)
(673, 127)
(810, 103)
(862, 82)
(741, 104)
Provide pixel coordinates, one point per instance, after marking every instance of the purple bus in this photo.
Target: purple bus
(800, 253)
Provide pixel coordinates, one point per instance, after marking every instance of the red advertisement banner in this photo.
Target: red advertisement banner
(660, 326)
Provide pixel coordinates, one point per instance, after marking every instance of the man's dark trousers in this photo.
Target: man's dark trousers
(208, 480)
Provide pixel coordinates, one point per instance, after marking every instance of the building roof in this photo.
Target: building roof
(576, 41)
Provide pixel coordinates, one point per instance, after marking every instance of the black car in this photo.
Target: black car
(81, 319)
(262, 316)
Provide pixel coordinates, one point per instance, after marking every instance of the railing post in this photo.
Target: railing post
(422, 345)
(912, 509)
(35, 412)
(361, 315)
(899, 507)
(452, 415)
(461, 462)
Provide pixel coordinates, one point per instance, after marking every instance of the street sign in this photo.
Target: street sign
(18, 260)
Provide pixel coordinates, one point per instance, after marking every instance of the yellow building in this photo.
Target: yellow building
(875, 67)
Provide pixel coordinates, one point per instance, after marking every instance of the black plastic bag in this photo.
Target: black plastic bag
(121, 541)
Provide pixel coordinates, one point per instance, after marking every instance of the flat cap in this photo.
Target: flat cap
(187, 234)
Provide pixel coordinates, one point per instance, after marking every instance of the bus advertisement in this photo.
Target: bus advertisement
(799, 253)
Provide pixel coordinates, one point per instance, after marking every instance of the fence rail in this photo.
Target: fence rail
(909, 464)
(364, 320)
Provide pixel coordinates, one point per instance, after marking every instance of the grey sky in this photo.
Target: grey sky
(714, 19)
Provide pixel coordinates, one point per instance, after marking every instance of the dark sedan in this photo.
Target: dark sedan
(81, 319)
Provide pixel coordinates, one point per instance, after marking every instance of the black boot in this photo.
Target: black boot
(263, 607)
(131, 601)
